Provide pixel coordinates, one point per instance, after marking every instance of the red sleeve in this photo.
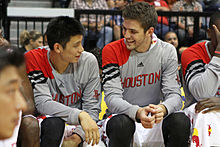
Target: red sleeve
(115, 53)
(36, 60)
(192, 54)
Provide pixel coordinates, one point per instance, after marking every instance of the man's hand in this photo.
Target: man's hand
(151, 114)
(210, 104)
(90, 128)
(72, 141)
(144, 114)
(160, 112)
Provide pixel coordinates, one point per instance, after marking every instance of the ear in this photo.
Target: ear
(31, 41)
(58, 48)
(150, 31)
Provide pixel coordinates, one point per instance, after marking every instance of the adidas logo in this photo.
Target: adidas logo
(140, 65)
(61, 85)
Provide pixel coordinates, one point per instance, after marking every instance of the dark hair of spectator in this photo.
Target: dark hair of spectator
(98, 54)
(61, 29)
(10, 56)
(214, 17)
(143, 13)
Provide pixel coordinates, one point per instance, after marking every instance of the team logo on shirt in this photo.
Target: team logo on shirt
(178, 79)
(141, 80)
(209, 130)
(140, 64)
(195, 138)
(96, 94)
(67, 99)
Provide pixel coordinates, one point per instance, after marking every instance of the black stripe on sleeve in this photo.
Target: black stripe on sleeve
(199, 71)
(36, 77)
(190, 68)
(193, 69)
(110, 71)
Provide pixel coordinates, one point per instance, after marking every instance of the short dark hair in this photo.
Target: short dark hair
(142, 12)
(10, 56)
(214, 17)
(60, 29)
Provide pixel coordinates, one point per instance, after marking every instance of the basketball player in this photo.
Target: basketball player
(201, 64)
(65, 81)
(140, 71)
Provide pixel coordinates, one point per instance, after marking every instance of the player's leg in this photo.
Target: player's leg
(52, 130)
(29, 133)
(120, 130)
(176, 130)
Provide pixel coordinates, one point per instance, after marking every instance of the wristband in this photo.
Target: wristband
(217, 52)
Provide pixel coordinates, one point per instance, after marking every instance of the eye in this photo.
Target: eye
(133, 31)
(77, 44)
(11, 92)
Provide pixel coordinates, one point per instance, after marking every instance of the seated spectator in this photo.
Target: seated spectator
(117, 20)
(111, 4)
(210, 5)
(186, 31)
(99, 31)
(201, 64)
(11, 100)
(66, 85)
(170, 3)
(30, 40)
(4, 42)
(172, 38)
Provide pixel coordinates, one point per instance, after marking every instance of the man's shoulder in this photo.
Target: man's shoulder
(87, 57)
(196, 48)
(39, 52)
(115, 52)
(116, 47)
(165, 46)
(37, 61)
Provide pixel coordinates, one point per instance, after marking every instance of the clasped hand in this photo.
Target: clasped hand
(150, 115)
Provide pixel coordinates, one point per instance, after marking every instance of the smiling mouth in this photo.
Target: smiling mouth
(130, 42)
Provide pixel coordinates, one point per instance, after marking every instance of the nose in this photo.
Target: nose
(21, 104)
(81, 49)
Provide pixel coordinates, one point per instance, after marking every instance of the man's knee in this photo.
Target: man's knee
(29, 127)
(176, 130)
(29, 133)
(52, 130)
(179, 121)
(120, 127)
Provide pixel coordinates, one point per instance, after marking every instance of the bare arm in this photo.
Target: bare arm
(27, 91)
